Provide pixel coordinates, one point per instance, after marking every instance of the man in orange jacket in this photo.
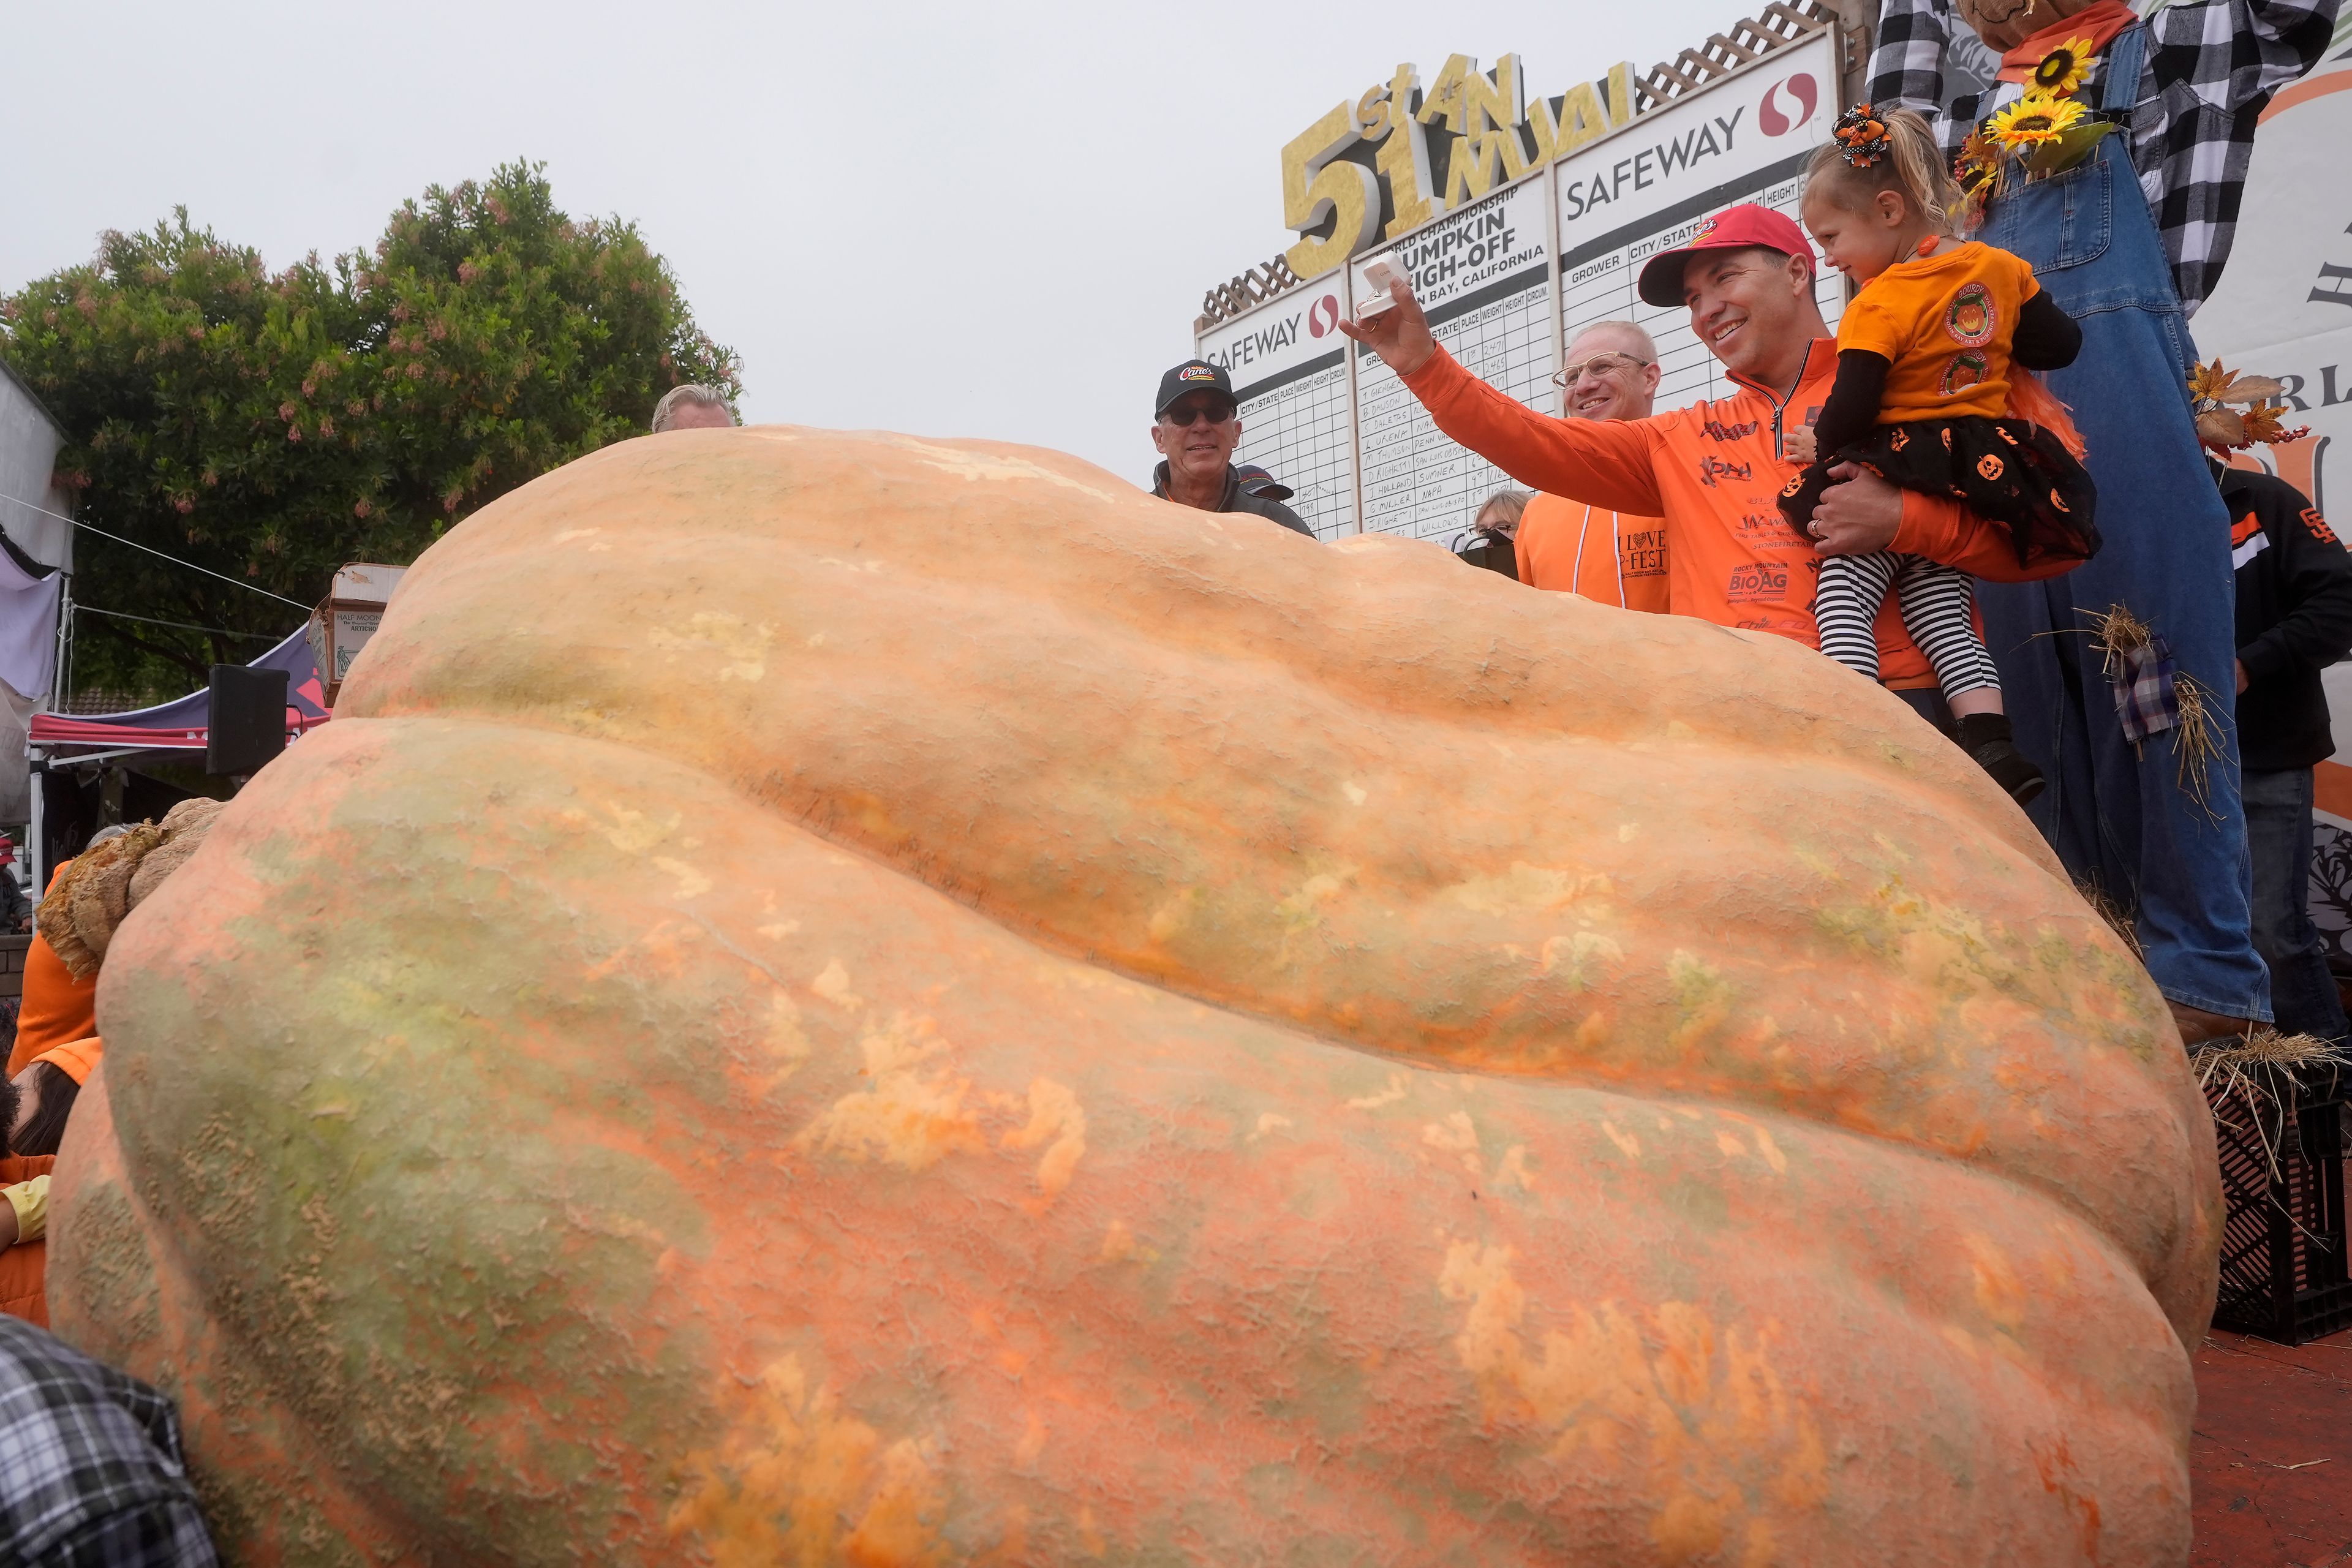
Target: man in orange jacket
(1714, 470)
(1574, 546)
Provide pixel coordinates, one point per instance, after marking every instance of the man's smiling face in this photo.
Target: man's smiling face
(1745, 303)
(1198, 433)
(1616, 375)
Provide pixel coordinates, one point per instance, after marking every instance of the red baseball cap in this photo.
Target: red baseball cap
(1733, 228)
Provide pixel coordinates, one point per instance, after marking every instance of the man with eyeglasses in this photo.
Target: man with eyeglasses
(1576, 547)
(1196, 424)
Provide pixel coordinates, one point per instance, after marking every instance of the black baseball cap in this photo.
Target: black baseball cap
(1193, 375)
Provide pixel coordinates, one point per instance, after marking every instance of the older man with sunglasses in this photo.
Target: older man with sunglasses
(1578, 547)
(1196, 426)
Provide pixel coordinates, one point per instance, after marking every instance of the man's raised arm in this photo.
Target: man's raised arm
(1604, 461)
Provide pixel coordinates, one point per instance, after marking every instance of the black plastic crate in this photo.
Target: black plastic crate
(2284, 1244)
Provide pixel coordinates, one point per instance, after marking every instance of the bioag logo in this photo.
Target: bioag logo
(1789, 104)
(1323, 316)
(1755, 580)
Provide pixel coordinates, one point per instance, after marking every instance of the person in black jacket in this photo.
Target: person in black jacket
(2294, 619)
(1195, 423)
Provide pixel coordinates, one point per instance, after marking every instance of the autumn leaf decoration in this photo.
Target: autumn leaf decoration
(2235, 412)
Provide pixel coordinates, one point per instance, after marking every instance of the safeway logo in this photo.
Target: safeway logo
(1323, 315)
(1789, 104)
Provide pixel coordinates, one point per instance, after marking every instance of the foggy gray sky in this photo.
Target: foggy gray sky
(976, 220)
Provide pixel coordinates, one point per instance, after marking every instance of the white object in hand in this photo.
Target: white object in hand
(1383, 274)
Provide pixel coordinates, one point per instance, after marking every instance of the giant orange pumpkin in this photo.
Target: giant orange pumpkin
(846, 999)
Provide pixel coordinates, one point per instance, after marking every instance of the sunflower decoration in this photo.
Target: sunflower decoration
(2032, 120)
(2062, 70)
(2235, 412)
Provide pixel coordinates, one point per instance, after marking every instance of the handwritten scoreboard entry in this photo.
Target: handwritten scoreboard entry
(1483, 275)
(1649, 188)
(1509, 279)
(1291, 377)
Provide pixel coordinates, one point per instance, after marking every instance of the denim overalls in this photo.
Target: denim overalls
(2122, 820)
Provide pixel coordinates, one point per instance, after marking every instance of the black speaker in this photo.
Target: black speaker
(248, 718)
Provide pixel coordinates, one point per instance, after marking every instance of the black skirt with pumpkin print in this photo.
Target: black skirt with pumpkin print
(2009, 471)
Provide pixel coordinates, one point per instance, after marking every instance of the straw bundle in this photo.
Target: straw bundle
(99, 890)
(2239, 1071)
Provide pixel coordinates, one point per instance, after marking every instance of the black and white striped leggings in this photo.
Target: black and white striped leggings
(1936, 600)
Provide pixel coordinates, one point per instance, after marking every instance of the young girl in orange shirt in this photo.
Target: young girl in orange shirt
(1925, 396)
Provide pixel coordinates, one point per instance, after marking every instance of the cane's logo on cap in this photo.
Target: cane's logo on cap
(1706, 230)
(1196, 372)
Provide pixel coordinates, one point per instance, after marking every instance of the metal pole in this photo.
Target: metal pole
(36, 851)
(61, 671)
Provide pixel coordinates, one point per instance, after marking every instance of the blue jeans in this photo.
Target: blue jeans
(2119, 817)
(2278, 830)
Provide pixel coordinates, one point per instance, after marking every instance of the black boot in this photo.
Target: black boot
(1986, 737)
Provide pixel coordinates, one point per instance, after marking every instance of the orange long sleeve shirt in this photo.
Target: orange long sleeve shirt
(1574, 547)
(1714, 471)
(57, 1009)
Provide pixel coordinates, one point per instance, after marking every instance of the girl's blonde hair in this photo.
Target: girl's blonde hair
(1912, 164)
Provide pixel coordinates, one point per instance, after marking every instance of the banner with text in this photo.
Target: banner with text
(1649, 187)
(1483, 275)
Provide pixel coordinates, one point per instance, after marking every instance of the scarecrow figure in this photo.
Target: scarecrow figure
(2111, 154)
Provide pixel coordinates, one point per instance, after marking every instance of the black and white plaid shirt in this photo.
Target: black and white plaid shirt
(2212, 66)
(91, 1472)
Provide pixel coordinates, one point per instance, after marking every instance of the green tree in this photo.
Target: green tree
(273, 426)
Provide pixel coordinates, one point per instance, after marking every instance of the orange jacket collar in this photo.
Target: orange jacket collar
(1820, 359)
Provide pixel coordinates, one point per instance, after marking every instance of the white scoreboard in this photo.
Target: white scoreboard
(1288, 364)
(1509, 280)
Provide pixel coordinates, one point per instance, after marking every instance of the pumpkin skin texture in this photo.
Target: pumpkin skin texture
(836, 998)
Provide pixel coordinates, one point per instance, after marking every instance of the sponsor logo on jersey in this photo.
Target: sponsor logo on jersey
(1713, 469)
(1716, 430)
(1755, 580)
(1765, 527)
